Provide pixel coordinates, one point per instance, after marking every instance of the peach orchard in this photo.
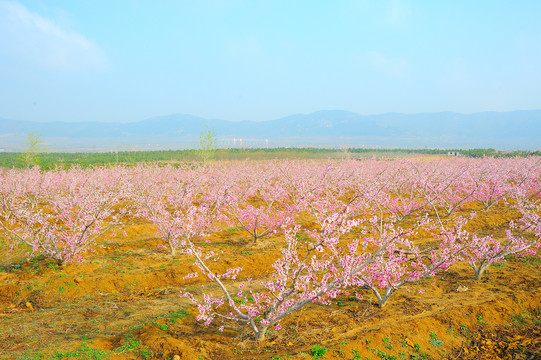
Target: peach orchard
(364, 220)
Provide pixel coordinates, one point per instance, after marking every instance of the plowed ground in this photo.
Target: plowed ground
(123, 303)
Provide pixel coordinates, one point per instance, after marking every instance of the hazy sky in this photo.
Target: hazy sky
(128, 60)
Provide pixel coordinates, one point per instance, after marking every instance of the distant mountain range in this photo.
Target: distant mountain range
(520, 130)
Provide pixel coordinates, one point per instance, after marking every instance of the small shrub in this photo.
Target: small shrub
(434, 341)
(386, 343)
(317, 351)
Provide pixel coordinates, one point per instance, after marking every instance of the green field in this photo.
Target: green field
(50, 160)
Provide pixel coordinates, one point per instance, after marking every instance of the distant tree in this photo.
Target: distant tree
(30, 156)
(346, 154)
(207, 144)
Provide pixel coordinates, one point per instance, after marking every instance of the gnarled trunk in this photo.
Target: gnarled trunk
(261, 334)
(479, 272)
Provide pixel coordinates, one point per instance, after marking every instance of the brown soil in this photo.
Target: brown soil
(123, 303)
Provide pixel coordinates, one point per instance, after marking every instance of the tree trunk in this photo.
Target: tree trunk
(260, 336)
(479, 272)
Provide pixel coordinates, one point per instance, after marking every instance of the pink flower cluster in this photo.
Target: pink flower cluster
(344, 226)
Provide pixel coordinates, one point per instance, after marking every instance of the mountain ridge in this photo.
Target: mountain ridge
(520, 129)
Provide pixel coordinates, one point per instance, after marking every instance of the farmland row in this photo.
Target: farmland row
(344, 225)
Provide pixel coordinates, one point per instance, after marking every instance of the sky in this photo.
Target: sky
(129, 60)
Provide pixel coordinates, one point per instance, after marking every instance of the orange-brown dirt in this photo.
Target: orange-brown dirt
(123, 302)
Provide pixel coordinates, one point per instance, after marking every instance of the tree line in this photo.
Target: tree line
(51, 160)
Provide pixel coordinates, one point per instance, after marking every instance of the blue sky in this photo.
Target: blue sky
(128, 60)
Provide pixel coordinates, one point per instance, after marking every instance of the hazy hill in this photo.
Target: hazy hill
(500, 130)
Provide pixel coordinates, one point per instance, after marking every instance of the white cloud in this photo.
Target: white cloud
(29, 38)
